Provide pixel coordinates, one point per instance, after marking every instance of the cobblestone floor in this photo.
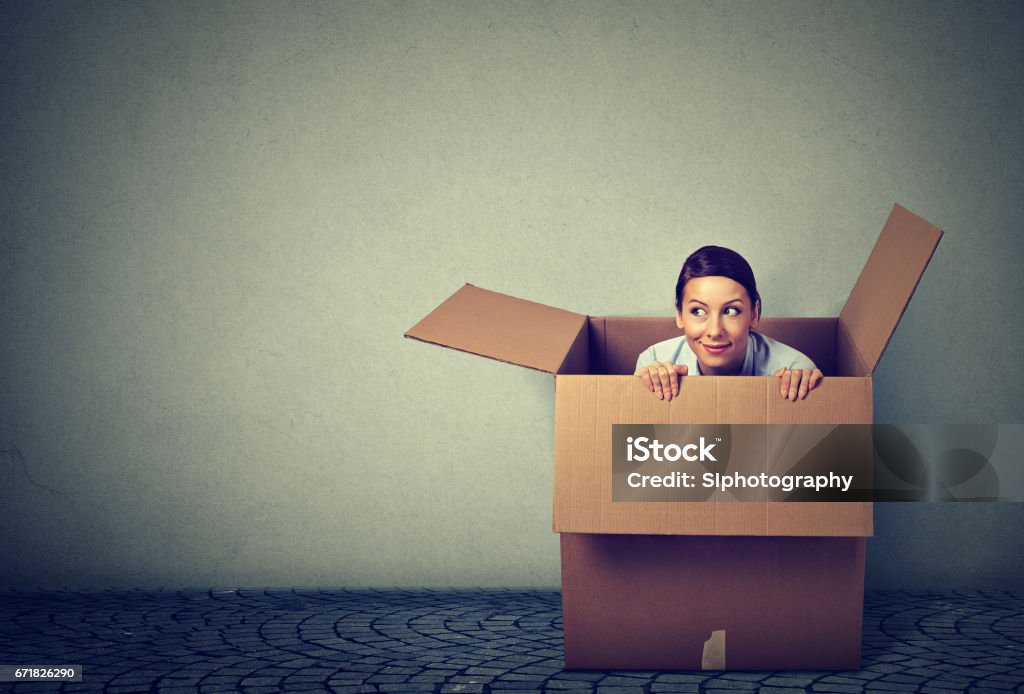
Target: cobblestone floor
(457, 641)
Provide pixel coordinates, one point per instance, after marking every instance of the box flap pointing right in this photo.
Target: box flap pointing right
(887, 282)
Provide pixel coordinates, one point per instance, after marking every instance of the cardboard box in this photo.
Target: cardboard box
(703, 585)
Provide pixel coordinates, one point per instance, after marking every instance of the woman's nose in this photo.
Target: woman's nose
(715, 326)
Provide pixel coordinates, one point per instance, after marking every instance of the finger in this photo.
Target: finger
(644, 375)
(779, 371)
(655, 380)
(652, 378)
(816, 377)
(668, 377)
(794, 384)
(784, 382)
(673, 376)
(679, 370)
(805, 383)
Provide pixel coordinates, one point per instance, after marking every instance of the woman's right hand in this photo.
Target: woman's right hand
(662, 378)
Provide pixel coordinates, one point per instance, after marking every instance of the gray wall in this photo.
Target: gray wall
(219, 219)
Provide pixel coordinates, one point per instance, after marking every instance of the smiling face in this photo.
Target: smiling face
(716, 316)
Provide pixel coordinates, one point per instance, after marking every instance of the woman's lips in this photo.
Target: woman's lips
(715, 349)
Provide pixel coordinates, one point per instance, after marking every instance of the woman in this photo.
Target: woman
(717, 307)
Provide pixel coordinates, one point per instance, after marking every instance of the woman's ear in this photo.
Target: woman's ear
(757, 315)
(679, 319)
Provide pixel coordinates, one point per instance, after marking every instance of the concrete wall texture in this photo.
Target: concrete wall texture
(218, 219)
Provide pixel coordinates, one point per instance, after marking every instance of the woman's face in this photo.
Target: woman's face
(716, 317)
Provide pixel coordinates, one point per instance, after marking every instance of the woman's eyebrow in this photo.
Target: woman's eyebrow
(730, 301)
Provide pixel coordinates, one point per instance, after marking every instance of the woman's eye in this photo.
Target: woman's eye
(732, 311)
(699, 312)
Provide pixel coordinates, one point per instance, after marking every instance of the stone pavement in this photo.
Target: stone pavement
(472, 641)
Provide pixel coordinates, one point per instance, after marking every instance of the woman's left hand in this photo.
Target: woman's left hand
(795, 384)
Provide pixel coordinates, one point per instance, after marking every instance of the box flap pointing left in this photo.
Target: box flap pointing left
(503, 327)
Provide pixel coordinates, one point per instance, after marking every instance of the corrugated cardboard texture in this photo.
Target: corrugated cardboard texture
(848, 361)
(586, 407)
(577, 360)
(619, 341)
(502, 327)
(887, 282)
(625, 339)
(597, 334)
(652, 602)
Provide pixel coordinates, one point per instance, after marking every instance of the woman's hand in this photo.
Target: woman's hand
(795, 384)
(662, 378)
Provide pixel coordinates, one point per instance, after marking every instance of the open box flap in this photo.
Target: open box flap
(887, 282)
(502, 327)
